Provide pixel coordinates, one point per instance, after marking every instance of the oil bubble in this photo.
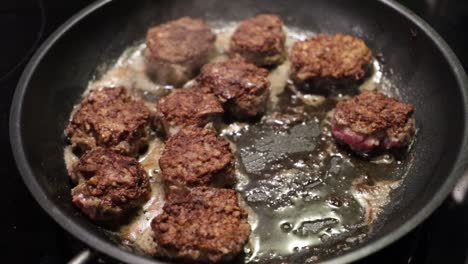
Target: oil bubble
(286, 227)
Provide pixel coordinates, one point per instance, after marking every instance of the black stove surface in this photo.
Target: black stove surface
(29, 235)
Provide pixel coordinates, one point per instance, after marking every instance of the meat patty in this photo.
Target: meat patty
(110, 184)
(184, 107)
(260, 40)
(326, 61)
(201, 224)
(110, 118)
(197, 156)
(372, 120)
(177, 49)
(243, 88)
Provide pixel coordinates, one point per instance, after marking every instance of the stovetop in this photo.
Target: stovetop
(29, 235)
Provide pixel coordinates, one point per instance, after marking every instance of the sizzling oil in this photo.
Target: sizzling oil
(300, 185)
(304, 195)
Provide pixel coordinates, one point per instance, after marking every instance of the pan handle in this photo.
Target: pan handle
(85, 256)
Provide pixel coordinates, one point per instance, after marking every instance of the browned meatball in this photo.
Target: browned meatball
(110, 118)
(184, 107)
(177, 49)
(243, 88)
(197, 156)
(110, 184)
(325, 61)
(372, 120)
(260, 40)
(201, 224)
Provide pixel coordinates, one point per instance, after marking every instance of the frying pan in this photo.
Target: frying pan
(424, 68)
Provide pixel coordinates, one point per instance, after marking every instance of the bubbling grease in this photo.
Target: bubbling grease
(307, 199)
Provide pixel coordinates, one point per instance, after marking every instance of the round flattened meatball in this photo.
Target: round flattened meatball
(325, 61)
(110, 118)
(243, 88)
(201, 224)
(110, 185)
(176, 50)
(186, 107)
(197, 156)
(372, 120)
(260, 40)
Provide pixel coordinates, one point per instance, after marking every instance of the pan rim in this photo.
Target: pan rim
(105, 246)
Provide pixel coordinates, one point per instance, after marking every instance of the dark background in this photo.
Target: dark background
(29, 235)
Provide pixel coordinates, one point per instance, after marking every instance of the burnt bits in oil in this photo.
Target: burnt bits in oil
(298, 182)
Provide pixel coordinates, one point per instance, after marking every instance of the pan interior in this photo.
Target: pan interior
(307, 197)
(412, 63)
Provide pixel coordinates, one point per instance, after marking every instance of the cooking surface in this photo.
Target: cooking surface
(30, 230)
(302, 191)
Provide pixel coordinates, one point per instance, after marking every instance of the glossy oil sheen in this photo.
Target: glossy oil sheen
(300, 186)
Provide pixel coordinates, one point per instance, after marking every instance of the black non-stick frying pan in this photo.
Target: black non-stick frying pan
(424, 68)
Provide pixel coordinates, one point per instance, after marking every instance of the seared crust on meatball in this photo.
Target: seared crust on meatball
(372, 120)
(260, 40)
(177, 49)
(185, 107)
(203, 224)
(242, 87)
(110, 118)
(197, 156)
(110, 184)
(328, 60)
